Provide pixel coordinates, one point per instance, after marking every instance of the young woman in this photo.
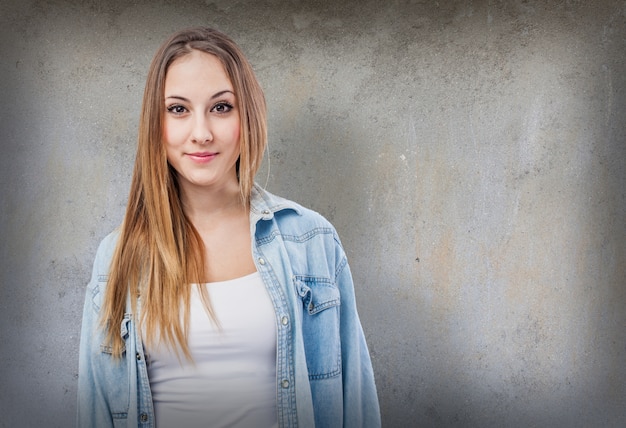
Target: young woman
(216, 303)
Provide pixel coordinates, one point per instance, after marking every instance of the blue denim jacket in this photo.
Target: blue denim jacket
(324, 374)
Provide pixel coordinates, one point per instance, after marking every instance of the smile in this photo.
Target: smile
(202, 157)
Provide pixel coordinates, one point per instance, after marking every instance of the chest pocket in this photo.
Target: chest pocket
(320, 325)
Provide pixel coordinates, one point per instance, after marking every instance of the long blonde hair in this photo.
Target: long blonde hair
(159, 252)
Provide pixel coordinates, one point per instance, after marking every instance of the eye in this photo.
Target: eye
(222, 107)
(177, 109)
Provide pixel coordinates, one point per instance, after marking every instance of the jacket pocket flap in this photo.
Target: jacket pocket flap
(317, 293)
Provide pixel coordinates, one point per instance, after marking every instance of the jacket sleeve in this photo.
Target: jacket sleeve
(92, 406)
(361, 408)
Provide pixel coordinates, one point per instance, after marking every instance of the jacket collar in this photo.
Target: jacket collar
(263, 204)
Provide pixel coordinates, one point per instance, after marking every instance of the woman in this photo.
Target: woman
(217, 303)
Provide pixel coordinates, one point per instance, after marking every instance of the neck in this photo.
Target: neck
(202, 204)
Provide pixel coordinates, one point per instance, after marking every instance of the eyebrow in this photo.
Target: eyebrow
(216, 95)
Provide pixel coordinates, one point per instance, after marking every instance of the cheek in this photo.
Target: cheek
(173, 133)
(171, 142)
(236, 128)
(236, 133)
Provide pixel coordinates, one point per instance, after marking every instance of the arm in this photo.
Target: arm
(361, 408)
(96, 370)
(92, 408)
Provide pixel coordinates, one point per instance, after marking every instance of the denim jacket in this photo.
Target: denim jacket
(324, 375)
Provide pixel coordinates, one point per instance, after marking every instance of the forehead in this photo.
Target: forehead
(197, 70)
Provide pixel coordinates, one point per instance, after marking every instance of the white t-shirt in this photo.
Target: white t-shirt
(232, 379)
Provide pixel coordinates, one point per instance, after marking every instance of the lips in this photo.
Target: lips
(202, 157)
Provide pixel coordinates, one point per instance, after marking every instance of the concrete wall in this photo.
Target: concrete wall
(470, 153)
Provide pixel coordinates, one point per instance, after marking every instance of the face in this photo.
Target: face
(201, 126)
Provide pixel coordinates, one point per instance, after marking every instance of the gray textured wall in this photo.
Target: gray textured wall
(470, 153)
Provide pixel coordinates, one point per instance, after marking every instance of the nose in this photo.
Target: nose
(201, 133)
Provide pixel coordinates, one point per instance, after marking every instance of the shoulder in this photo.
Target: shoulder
(100, 272)
(105, 252)
(290, 216)
(102, 261)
